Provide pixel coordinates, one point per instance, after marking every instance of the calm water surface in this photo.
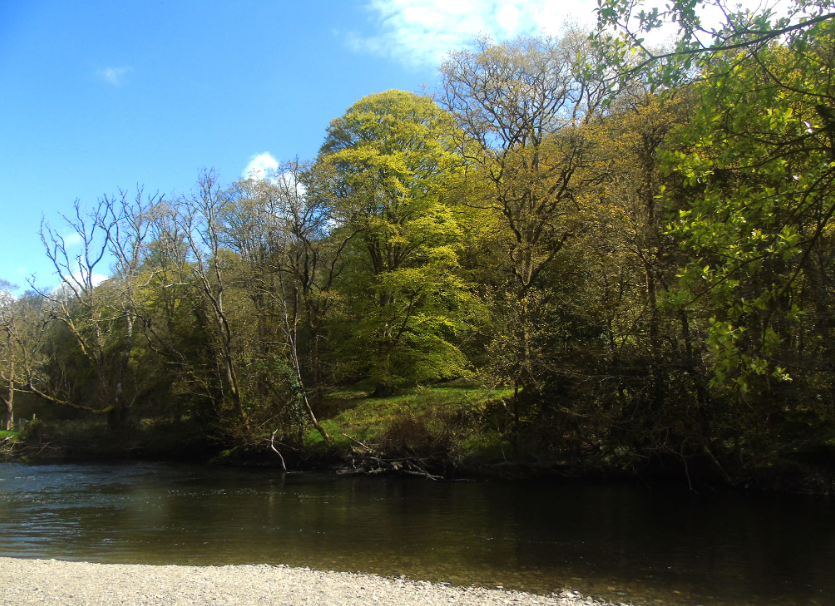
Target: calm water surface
(621, 542)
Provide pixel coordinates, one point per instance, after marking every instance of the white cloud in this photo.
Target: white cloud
(73, 239)
(259, 165)
(96, 278)
(68, 285)
(113, 75)
(420, 33)
(507, 17)
(7, 295)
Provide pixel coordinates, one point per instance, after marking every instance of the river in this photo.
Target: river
(622, 542)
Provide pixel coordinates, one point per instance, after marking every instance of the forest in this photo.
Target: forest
(580, 254)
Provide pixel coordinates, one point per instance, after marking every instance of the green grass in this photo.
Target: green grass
(454, 413)
(9, 434)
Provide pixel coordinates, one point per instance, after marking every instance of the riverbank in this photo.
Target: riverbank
(77, 583)
(443, 432)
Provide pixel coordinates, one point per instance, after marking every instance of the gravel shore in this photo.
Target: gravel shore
(81, 583)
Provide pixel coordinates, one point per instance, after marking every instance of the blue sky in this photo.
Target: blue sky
(101, 95)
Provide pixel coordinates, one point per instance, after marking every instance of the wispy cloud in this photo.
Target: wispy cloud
(71, 284)
(95, 278)
(259, 165)
(113, 75)
(72, 239)
(420, 33)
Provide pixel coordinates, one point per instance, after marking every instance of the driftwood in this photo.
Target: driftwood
(412, 466)
(368, 460)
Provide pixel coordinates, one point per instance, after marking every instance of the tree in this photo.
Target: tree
(8, 372)
(84, 310)
(524, 111)
(390, 166)
(100, 319)
(127, 224)
(752, 187)
(622, 28)
(279, 233)
(199, 233)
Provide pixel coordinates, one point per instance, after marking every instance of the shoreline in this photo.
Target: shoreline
(24, 581)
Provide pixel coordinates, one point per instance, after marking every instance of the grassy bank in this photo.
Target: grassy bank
(455, 419)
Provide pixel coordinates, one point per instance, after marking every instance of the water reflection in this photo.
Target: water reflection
(620, 542)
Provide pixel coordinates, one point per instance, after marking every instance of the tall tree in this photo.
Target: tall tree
(9, 364)
(199, 219)
(83, 309)
(754, 202)
(524, 109)
(391, 163)
(279, 233)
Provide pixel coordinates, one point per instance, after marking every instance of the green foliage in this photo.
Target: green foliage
(404, 306)
(447, 418)
(756, 196)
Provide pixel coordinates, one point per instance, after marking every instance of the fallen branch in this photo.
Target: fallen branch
(275, 450)
(366, 446)
(424, 474)
(370, 464)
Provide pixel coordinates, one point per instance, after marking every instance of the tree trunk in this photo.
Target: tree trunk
(9, 424)
(383, 391)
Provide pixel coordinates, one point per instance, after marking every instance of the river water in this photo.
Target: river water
(621, 542)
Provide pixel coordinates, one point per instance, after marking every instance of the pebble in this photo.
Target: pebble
(80, 583)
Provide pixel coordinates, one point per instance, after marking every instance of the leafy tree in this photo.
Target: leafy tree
(623, 26)
(525, 111)
(404, 306)
(753, 193)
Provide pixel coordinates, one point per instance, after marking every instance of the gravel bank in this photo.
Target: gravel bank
(80, 583)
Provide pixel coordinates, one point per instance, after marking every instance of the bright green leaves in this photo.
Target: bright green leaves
(404, 306)
(390, 153)
(755, 199)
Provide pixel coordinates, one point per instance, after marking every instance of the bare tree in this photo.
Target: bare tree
(96, 315)
(77, 303)
(198, 218)
(281, 235)
(9, 356)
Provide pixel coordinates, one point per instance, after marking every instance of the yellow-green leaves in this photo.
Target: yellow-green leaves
(404, 303)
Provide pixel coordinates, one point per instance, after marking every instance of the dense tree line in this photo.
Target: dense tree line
(639, 244)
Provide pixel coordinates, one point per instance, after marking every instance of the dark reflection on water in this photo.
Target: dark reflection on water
(620, 542)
